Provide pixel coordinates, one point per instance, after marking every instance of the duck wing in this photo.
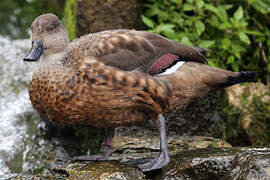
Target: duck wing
(111, 95)
(129, 50)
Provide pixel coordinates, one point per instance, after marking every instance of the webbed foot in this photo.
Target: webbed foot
(103, 156)
(156, 163)
(163, 158)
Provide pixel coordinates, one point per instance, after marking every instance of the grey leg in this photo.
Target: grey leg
(105, 151)
(163, 159)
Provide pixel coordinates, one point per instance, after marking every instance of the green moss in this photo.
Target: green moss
(103, 170)
(70, 14)
(260, 122)
(257, 132)
(234, 133)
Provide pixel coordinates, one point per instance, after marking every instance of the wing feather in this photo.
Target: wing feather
(129, 49)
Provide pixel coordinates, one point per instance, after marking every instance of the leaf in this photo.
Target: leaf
(227, 6)
(239, 14)
(206, 44)
(211, 8)
(237, 54)
(185, 40)
(220, 11)
(152, 11)
(261, 5)
(199, 3)
(165, 28)
(237, 47)
(225, 25)
(255, 33)
(244, 37)
(179, 2)
(230, 59)
(225, 43)
(222, 14)
(148, 21)
(213, 21)
(200, 27)
(162, 15)
(235, 67)
(211, 62)
(188, 7)
(170, 35)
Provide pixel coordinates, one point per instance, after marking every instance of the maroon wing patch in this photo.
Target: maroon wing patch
(163, 63)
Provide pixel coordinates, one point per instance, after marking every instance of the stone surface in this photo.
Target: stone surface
(129, 152)
(192, 158)
(137, 150)
(248, 114)
(222, 164)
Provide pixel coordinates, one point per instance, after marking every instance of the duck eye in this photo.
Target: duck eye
(51, 27)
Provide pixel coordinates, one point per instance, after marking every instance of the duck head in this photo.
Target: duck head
(49, 37)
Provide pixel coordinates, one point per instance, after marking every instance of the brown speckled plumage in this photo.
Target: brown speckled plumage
(95, 94)
(114, 78)
(101, 79)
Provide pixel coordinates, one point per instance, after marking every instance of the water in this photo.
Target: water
(16, 110)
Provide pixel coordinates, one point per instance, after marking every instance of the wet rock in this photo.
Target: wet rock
(91, 170)
(248, 115)
(103, 170)
(225, 163)
(199, 164)
(133, 151)
(129, 152)
(192, 158)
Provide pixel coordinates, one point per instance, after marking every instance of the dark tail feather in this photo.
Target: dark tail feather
(201, 50)
(246, 76)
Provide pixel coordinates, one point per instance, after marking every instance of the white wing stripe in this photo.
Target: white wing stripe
(173, 68)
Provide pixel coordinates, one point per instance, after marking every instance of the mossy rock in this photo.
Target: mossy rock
(248, 115)
(198, 164)
(222, 164)
(129, 152)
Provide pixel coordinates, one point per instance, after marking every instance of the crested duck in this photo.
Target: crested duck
(117, 78)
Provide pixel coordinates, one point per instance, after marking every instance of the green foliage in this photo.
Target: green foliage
(70, 18)
(16, 16)
(236, 31)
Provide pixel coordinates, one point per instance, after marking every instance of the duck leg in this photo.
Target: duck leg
(163, 158)
(105, 151)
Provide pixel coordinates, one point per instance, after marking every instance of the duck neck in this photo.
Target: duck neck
(52, 63)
